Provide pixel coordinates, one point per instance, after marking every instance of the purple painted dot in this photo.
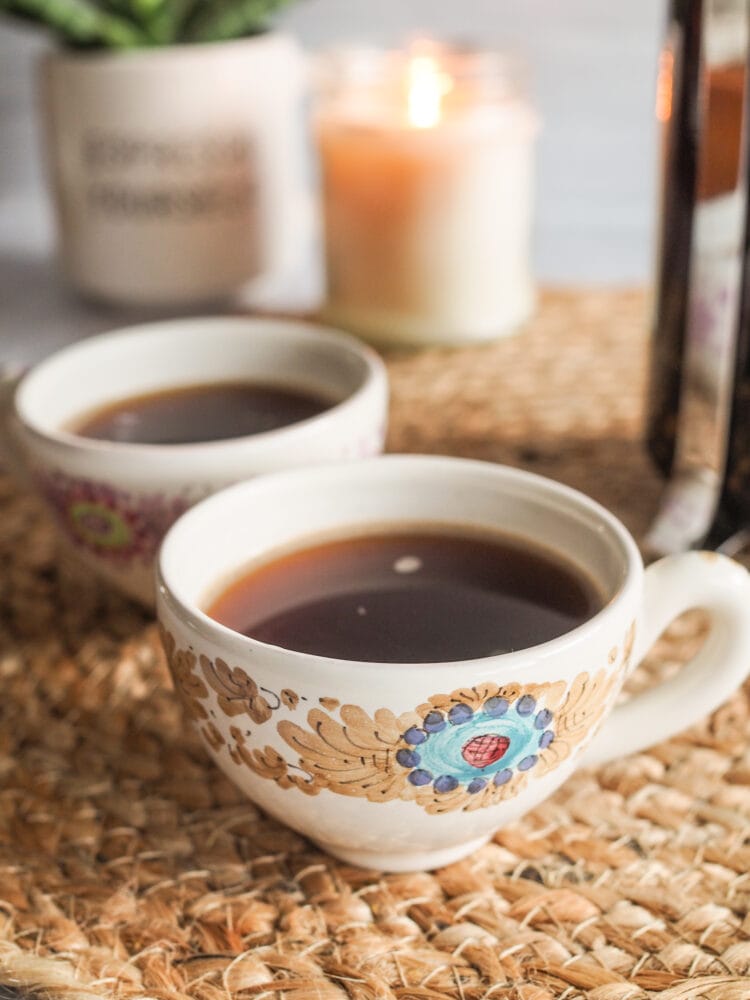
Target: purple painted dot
(420, 777)
(546, 738)
(434, 722)
(503, 777)
(460, 714)
(415, 736)
(526, 705)
(408, 758)
(445, 783)
(476, 786)
(495, 707)
(528, 762)
(543, 719)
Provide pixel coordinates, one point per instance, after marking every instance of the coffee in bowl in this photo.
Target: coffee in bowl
(411, 595)
(193, 414)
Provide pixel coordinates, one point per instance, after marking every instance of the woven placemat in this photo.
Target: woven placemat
(129, 866)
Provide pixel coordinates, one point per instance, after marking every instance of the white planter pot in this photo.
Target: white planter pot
(179, 173)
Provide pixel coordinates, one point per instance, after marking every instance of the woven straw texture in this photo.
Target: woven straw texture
(129, 867)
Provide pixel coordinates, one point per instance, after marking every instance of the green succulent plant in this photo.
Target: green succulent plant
(127, 24)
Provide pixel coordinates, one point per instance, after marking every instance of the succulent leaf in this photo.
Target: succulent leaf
(122, 24)
(223, 19)
(79, 22)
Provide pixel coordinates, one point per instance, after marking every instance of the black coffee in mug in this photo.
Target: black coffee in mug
(410, 596)
(213, 411)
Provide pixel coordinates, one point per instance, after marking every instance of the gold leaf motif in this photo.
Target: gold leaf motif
(586, 703)
(238, 693)
(188, 685)
(212, 736)
(578, 716)
(289, 698)
(268, 763)
(355, 758)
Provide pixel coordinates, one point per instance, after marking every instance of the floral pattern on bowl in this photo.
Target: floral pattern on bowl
(113, 524)
(469, 749)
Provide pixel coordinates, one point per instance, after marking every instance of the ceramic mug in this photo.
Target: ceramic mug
(366, 758)
(114, 501)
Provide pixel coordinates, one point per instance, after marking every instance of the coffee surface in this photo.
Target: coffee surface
(417, 596)
(212, 411)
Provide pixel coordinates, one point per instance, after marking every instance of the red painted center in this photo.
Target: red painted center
(485, 750)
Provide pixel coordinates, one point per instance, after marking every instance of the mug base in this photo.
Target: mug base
(416, 861)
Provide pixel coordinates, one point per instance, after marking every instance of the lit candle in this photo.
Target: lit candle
(426, 165)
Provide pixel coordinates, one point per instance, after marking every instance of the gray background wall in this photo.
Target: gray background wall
(592, 70)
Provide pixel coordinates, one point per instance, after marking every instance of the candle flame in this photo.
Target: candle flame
(428, 85)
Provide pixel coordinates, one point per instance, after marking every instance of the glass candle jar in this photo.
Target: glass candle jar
(427, 172)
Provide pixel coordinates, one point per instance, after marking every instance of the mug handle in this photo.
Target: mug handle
(672, 586)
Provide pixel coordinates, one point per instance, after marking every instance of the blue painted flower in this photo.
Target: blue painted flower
(460, 714)
(434, 722)
(543, 719)
(408, 758)
(445, 783)
(526, 705)
(476, 747)
(495, 707)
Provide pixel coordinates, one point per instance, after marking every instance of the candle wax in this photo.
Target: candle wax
(427, 229)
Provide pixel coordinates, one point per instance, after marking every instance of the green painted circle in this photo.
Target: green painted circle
(98, 525)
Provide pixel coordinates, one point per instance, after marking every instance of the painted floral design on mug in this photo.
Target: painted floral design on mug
(189, 686)
(465, 750)
(238, 694)
(467, 745)
(114, 524)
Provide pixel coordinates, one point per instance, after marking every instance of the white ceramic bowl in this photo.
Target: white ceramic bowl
(114, 501)
(380, 763)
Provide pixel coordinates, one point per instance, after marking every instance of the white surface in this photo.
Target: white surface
(592, 67)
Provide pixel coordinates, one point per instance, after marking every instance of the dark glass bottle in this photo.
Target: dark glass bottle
(677, 109)
(730, 528)
(702, 102)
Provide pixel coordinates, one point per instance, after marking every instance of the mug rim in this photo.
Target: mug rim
(190, 614)
(373, 377)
